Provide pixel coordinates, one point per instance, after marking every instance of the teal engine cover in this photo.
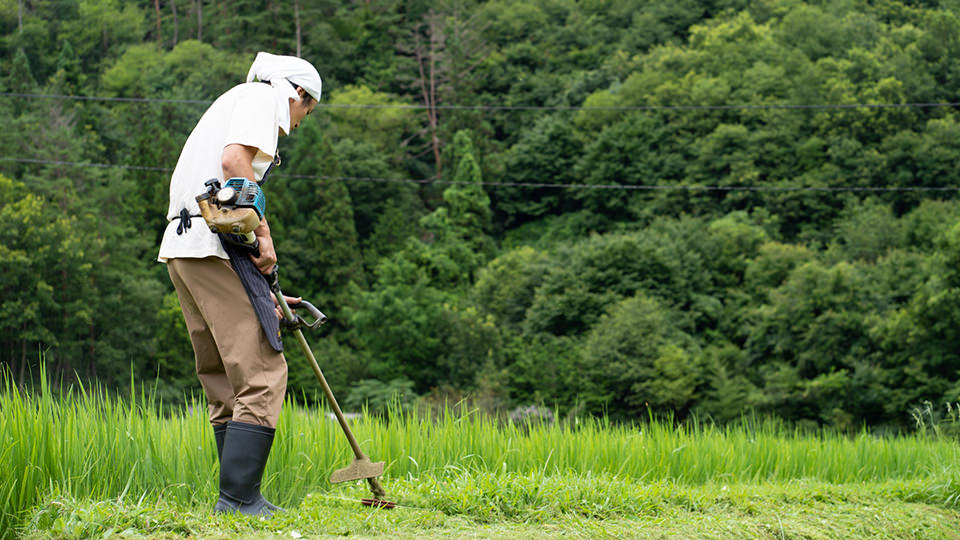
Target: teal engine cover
(249, 195)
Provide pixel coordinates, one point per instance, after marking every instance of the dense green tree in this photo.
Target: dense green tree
(41, 268)
(68, 78)
(316, 232)
(354, 43)
(242, 25)
(866, 233)
(546, 154)
(918, 341)
(657, 23)
(397, 322)
(505, 286)
(735, 239)
(605, 269)
(772, 265)
(813, 343)
(638, 356)
(144, 70)
(927, 222)
(101, 29)
(544, 370)
(392, 227)
(457, 235)
(750, 184)
(728, 394)
(20, 78)
(388, 130)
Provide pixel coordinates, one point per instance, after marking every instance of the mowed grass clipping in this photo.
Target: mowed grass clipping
(61, 451)
(808, 510)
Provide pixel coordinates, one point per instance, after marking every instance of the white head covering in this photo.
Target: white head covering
(279, 69)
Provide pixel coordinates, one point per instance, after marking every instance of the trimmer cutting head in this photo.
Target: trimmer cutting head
(360, 469)
(378, 503)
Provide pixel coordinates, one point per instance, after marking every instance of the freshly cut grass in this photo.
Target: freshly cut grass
(82, 445)
(474, 508)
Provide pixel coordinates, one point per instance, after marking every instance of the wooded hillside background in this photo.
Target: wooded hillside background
(604, 206)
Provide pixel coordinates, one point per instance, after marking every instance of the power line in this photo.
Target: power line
(733, 107)
(430, 180)
(625, 187)
(106, 98)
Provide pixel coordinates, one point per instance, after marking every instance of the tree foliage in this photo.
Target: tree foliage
(672, 207)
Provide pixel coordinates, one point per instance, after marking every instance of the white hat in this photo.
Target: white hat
(274, 68)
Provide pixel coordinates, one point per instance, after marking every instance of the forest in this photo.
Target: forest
(628, 208)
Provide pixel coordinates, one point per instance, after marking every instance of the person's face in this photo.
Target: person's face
(299, 111)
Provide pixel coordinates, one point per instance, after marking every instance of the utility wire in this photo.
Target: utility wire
(105, 98)
(745, 107)
(625, 187)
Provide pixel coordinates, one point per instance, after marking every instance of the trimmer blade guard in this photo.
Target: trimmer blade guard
(358, 470)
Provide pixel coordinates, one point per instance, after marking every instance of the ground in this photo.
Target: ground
(799, 511)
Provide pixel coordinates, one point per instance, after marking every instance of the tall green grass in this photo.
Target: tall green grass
(82, 443)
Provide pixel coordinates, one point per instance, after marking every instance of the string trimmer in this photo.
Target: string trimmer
(235, 210)
(361, 468)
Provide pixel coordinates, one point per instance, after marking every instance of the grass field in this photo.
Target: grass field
(82, 465)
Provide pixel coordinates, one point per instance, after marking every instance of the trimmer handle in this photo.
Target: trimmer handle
(291, 320)
(318, 316)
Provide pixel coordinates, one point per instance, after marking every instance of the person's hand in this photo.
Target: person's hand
(268, 255)
(291, 301)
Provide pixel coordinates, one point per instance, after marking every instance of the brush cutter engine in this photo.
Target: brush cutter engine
(234, 210)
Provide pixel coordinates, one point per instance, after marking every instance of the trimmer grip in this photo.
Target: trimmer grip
(318, 316)
(291, 320)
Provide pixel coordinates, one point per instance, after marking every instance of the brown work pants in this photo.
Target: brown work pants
(243, 378)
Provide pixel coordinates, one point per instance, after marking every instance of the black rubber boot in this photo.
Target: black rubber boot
(245, 451)
(219, 432)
